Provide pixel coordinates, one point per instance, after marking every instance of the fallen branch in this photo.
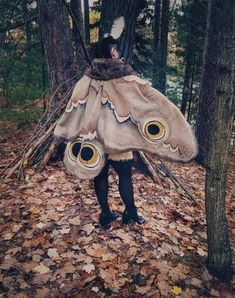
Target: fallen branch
(153, 172)
(42, 123)
(164, 170)
(24, 160)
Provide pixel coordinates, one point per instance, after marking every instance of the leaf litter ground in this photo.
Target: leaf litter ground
(52, 244)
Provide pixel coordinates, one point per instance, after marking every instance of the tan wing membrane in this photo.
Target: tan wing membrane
(84, 159)
(119, 115)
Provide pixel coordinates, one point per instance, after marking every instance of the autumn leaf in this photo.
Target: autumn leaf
(75, 221)
(201, 252)
(41, 269)
(55, 216)
(88, 229)
(88, 268)
(176, 290)
(53, 253)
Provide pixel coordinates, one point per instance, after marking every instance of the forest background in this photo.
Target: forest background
(184, 48)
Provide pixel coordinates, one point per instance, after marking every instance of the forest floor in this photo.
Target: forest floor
(52, 244)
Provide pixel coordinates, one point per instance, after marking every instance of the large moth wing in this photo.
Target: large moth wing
(124, 114)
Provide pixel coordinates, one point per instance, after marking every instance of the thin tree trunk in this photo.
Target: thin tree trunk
(188, 71)
(129, 9)
(78, 25)
(163, 46)
(87, 22)
(56, 40)
(219, 252)
(28, 33)
(191, 90)
(208, 85)
(156, 40)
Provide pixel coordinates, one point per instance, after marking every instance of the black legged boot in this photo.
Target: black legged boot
(107, 218)
(132, 215)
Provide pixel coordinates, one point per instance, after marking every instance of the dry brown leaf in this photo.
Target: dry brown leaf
(41, 269)
(7, 263)
(195, 282)
(55, 216)
(35, 210)
(8, 236)
(75, 221)
(42, 293)
(53, 253)
(65, 230)
(96, 250)
(164, 288)
(68, 267)
(88, 268)
(201, 252)
(108, 257)
(88, 229)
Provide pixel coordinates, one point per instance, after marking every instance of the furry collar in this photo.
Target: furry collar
(106, 69)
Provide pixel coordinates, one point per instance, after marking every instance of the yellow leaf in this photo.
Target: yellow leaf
(176, 290)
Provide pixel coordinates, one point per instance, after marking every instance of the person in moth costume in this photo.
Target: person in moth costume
(112, 112)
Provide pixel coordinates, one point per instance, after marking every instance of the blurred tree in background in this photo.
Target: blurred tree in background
(22, 67)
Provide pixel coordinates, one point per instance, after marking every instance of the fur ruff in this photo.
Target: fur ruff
(107, 69)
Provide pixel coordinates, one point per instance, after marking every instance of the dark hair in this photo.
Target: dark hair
(102, 50)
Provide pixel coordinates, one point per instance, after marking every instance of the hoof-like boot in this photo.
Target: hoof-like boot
(107, 218)
(132, 215)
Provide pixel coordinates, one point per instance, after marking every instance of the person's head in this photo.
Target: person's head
(108, 48)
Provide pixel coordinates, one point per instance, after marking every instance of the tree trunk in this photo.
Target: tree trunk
(78, 25)
(56, 40)
(191, 90)
(156, 39)
(129, 9)
(28, 33)
(221, 29)
(87, 22)
(163, 46)
(190, 51)
(208, 83)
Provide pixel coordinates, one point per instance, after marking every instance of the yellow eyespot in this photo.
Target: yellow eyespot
(154, 130)
(89, 156)
(74, 150)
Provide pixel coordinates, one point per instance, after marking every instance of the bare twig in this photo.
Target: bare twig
(164, 170)
(153, 172)
(79, 32)
(30, 151)
(37, 131)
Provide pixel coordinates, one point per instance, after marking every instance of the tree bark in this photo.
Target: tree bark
(129, 9)
(163, 46)
(56, 40)
(190, 51)
(87, 22)
(221, 29)
(78, 34)
(156, 40)
(208, 83)
(28, 33)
